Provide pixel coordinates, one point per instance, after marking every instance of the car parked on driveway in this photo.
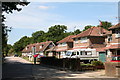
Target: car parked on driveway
(16, 55)
(116, 58)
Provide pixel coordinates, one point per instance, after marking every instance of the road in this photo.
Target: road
(16, 68)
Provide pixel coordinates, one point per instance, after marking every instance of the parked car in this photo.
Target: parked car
(116, 58)
(16, 55)
(85, 55)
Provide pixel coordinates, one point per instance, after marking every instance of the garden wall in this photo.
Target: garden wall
(112, 69)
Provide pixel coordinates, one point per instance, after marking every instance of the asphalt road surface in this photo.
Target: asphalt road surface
(16, 68)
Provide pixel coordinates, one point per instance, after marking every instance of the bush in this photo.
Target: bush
(97, 63)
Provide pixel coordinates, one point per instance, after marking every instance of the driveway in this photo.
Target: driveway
(16, 68)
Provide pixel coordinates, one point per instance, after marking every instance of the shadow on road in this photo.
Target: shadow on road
(16, 69)
(20, 70)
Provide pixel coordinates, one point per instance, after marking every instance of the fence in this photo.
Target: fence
(66, 63)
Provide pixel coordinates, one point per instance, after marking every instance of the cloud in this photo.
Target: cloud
(43, 7)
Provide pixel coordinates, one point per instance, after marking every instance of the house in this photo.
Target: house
(40, 48)
(51, 51)
(113, 42)
(64, 45)
(91, 43)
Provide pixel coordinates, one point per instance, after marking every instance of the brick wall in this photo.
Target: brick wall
(112, 69)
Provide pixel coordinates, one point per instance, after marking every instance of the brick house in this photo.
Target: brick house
(113, 42)
(40, 48)
(92, 43)
(64, 45)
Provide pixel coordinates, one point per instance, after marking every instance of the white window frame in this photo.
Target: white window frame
(64, 44)
(40, 47)
(76, 40)
(83, 39)
(109, 38)
(59, 44)
(50, 46)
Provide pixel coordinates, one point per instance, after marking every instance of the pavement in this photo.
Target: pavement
(16, 68)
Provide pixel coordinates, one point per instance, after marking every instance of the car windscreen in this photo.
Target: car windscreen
(68, 53)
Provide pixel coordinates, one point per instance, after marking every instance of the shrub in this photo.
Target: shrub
(97, 63)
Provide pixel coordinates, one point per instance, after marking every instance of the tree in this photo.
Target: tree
(105, 24)
(87, 27)
(9, 7)
(21, 44)
(6, 49)
(56, 33)
(38, 36)
(77, 32)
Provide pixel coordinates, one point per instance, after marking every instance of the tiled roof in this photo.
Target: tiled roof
(52, 49)
(93, 31)
(100, 49)
(115, 26)
(115, 46)
(37, 45)
(97, 46)
(67, 39)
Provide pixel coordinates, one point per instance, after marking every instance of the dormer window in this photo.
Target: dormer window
(117, 33)
(109, 38)
(83, 39)
(26, 48)
(50, 46)
(64, 44)
(76, 40)
(59, 44)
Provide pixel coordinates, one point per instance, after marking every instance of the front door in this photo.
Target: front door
(102, 56)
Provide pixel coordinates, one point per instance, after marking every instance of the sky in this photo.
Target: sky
(42, 15)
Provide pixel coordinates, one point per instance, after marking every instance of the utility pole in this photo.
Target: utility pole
(119, 12)
(74, 30)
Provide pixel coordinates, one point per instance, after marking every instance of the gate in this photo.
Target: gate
(102, 56)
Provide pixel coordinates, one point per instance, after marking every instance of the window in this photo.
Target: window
(89, 53)
(77, 53)
(59, 44)
(76, 40)
(109, 38)
(83, 53)
(50, 46)
(83, 39)
(27, 48)
(64, 44)
(68, 53)
(40, 47)
(117, 31)
(73, 53)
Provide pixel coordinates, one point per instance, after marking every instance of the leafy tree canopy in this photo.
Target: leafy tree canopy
(8, 7)
(105, 24)
(87, 27)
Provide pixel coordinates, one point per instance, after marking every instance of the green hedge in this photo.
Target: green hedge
(97, 63)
